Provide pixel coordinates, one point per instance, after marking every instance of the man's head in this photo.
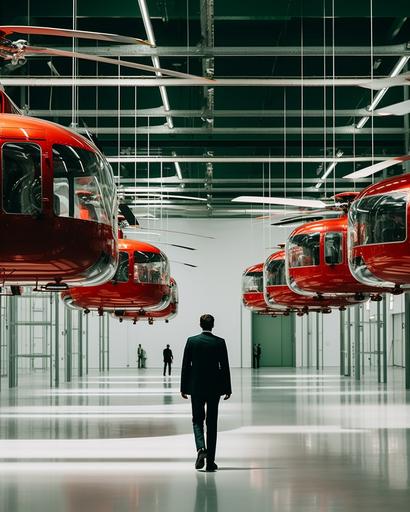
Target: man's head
(167, 346)
(139, 344)
(207, 322)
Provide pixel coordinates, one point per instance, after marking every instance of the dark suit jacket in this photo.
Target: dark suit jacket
(168, 357)
(205, 366)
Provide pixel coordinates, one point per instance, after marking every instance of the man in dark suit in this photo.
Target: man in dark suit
(205, 376)
(168, 358)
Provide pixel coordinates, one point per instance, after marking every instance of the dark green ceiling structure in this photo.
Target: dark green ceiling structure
(284, 103)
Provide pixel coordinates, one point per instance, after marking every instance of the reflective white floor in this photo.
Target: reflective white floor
(290, 440)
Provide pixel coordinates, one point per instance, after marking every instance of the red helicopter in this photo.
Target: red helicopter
(141, 282)
(277, 292)
(379, 246)
(253, 296)
(166, 314)
(317, 262)
(58, 217)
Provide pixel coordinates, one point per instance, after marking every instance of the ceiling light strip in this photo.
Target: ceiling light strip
(376, 100)
(155, 62)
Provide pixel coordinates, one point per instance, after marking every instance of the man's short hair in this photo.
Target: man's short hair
(207, 322)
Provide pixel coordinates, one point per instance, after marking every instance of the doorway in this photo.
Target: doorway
(277, 339)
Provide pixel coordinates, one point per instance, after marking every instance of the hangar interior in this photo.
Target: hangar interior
(284, 112)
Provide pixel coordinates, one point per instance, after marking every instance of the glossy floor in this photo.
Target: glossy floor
(290, 440)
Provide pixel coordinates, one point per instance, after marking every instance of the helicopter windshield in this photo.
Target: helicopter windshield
(275, 273)
(378, 219)
(121, 275)
(151, 267)
(303, 250)
(252, 282)
(83, 185)
(21, 175)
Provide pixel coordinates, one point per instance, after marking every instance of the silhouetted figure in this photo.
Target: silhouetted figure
(140, 356)
(205, 376)
(254, 355)
(168, 359)
(258, 355)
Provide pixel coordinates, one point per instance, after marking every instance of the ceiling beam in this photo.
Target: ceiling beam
(244, 159)
(160, 112)
(220, 181)
(182, 82)
(163, 129)
(396, 50)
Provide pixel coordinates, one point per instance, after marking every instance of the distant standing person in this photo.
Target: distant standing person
(255, 355)
(258, 355)
(140, 356)
(205, 376)
(168, 359)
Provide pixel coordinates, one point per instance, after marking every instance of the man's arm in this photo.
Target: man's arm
(226, 373)
(186, 370)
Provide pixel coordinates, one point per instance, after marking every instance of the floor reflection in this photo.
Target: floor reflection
(206, 499)
(292, 441)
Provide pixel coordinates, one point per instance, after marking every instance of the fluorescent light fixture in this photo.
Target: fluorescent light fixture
(304, 203)
(147, 22)
(376, 100)
(330, 168)
(362, 122)
(178, 170)
(399, 66)
(155, 60)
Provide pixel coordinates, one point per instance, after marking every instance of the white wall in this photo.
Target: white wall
(214, 287)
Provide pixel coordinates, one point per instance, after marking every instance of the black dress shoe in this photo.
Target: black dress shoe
(211, 467)
(200, 460)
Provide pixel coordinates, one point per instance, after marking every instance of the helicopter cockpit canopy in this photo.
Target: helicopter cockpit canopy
(252, 282)
(83, 185)
(275, 273)
(151, 268)
(303, 250)
(377, 222)
(378, 219)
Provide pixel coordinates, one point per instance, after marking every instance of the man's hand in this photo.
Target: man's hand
(227, 397)
(184, 396)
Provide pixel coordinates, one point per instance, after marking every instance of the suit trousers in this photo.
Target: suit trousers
(211, 416)
(167, 363)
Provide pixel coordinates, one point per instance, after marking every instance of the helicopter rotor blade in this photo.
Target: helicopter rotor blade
(382, 83)
(397, 109)
(178, 232)
(128, 215)
(65, 32)
(372, 169)
(182, 263)
(304, 203)
(299, 219)
(34, 50)
(186, 247)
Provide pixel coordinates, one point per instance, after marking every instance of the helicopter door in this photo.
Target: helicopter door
(21, 178)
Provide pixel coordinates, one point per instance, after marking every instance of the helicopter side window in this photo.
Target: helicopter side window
(333, 248)
(150, 267)
(81, 186)
(275, 273)
(303, 250)
(22, 189)
(121, 275)
(379, 219)
(252, 282)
